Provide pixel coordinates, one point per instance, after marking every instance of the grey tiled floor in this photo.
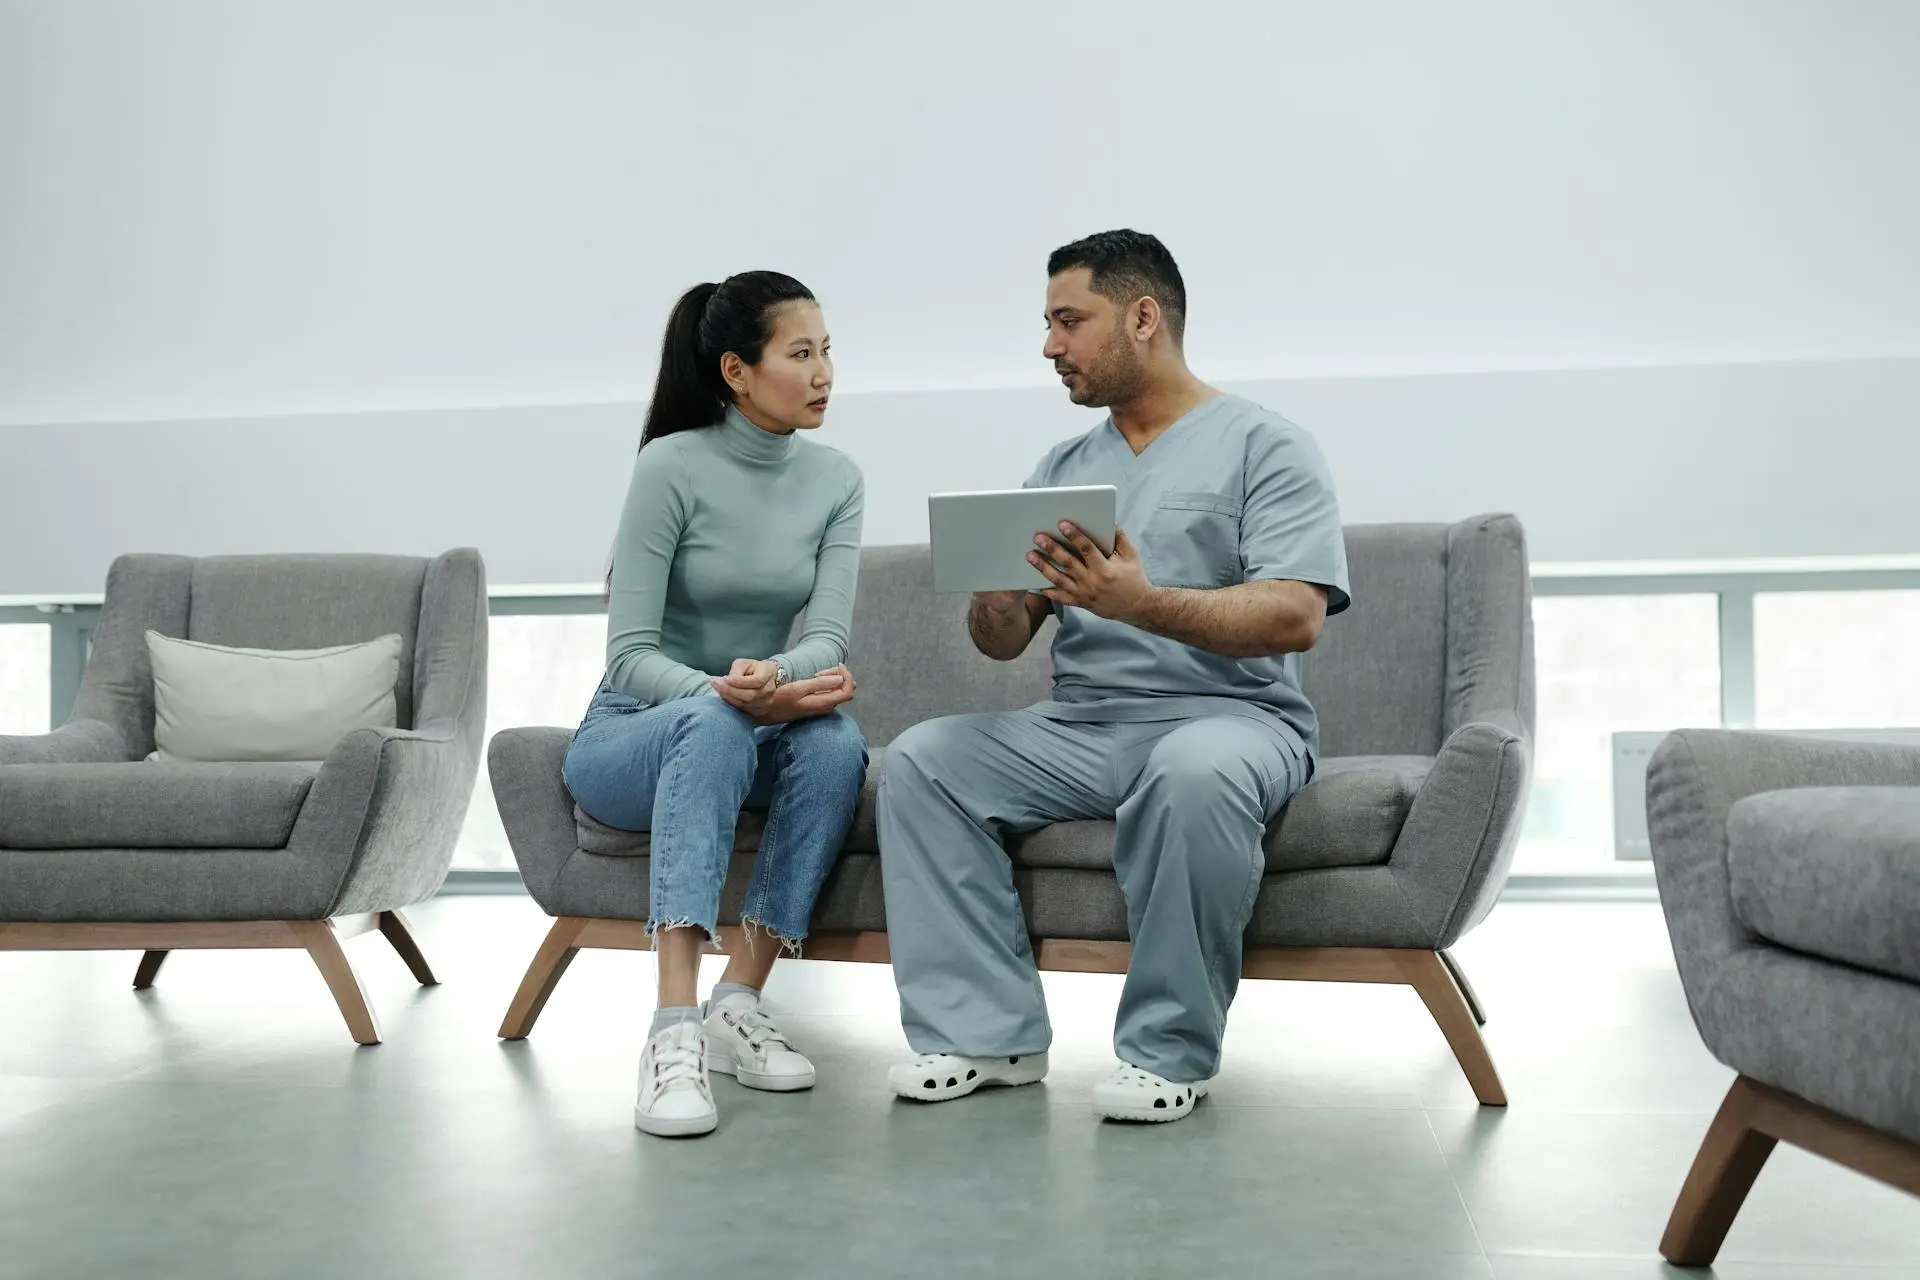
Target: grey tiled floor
(224, 1125)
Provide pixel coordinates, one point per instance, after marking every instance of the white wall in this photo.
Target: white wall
(453, 229)
(1719, 462)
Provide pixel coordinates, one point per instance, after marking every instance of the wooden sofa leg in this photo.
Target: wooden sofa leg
(1459, 976)
(323, 944)
(1427, 973)
(396, 930)
(149, 969)
(543, 975)
(1729, 1160)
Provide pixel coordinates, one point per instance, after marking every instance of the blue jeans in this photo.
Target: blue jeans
(684, 770)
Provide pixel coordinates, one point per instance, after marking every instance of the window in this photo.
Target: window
(1836, 659)
(26, 665)
(1605, 664)
(541, 670)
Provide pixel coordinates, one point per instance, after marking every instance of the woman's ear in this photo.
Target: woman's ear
(733, 371)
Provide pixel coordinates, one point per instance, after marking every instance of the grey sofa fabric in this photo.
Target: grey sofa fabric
(151, 805)
(1351, 816)
(1425, 690)
(377, 824)
(1835, 1034)
(912, 655)
(1831, 871)
(75, 742)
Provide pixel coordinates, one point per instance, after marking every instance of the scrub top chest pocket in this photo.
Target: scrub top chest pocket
(1192, 539)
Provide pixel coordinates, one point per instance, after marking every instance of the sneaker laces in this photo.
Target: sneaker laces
(677, 1059)
(762, 1031)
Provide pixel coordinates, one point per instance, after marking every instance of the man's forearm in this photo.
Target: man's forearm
(1002, 636)
(1249, 620)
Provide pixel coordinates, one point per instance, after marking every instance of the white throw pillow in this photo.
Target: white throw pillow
(213, 703)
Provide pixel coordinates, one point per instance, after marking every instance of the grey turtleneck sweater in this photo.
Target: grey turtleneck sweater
(728, 534)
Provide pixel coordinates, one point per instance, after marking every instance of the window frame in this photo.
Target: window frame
(73, 622)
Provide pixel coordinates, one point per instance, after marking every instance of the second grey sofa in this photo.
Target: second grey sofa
(1789, 870)
(102, 849)
(1398, 846)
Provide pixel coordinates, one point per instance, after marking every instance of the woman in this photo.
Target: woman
(733, 526)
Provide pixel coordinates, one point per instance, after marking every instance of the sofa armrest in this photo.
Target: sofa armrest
(76, 742)
(380, 824)
(1489, 674)
(536, 809)
(1694, 779)
(1457, 844)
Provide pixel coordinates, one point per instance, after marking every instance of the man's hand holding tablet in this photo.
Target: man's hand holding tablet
(1111, 586)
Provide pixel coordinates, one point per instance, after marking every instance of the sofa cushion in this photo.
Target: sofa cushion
(215, 703)
(1833, 872)
(151, 805)
(1349, 815)
(597, 837)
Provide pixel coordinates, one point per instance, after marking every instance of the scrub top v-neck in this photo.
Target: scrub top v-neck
(1229, 493)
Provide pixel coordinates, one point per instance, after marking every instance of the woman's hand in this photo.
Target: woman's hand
(749, 685)
(804, 699)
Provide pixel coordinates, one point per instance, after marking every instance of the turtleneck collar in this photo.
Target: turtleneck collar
(750, 444)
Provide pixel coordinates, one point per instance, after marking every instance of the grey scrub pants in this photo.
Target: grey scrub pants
(1191, 799)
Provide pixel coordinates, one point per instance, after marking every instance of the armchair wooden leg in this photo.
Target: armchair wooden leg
(323, 944)
(1730, 1158)
(1427, 974)
(1466, 988)
(394, 926)
(543, 975)
(149, 969)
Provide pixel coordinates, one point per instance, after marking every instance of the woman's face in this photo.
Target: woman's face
(788, 389)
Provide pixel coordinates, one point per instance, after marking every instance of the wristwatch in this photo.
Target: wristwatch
(780, 675)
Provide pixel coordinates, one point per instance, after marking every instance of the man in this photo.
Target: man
(1177, 709)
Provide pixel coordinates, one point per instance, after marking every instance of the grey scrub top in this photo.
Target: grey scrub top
(1230, 493)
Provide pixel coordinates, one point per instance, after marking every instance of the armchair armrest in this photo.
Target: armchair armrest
(1693, 781)
(76, 742)
(380, 824)
(1457, 844)
(535, 806)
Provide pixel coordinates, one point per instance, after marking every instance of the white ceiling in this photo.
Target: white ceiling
(211, 208)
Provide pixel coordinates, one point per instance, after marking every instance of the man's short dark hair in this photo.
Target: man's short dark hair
(1128, 265)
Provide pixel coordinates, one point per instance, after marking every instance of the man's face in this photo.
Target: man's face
(1088, 343)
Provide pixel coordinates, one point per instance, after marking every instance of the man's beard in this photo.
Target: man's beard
(1114, 378)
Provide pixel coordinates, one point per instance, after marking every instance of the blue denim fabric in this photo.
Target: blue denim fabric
(684, 770)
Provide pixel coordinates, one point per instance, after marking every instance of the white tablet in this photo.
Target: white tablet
(981, 540)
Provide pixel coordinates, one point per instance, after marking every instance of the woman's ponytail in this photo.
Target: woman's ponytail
(688, 392)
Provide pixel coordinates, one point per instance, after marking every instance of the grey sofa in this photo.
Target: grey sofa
(1789, 871)
(101, 849)
(1398, 846)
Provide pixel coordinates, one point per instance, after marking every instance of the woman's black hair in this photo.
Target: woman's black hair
(710, 320)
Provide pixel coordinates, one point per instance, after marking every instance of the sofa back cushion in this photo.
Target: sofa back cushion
(1378, 677)
(913, 658)
(311, 602)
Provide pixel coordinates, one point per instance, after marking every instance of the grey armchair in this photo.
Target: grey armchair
(1789, 871)
(1397, 848)
(101, 849)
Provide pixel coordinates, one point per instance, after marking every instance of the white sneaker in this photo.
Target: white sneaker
(941, 1077)
(743, 1042)
(675, 1100)
(1132, 1094)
